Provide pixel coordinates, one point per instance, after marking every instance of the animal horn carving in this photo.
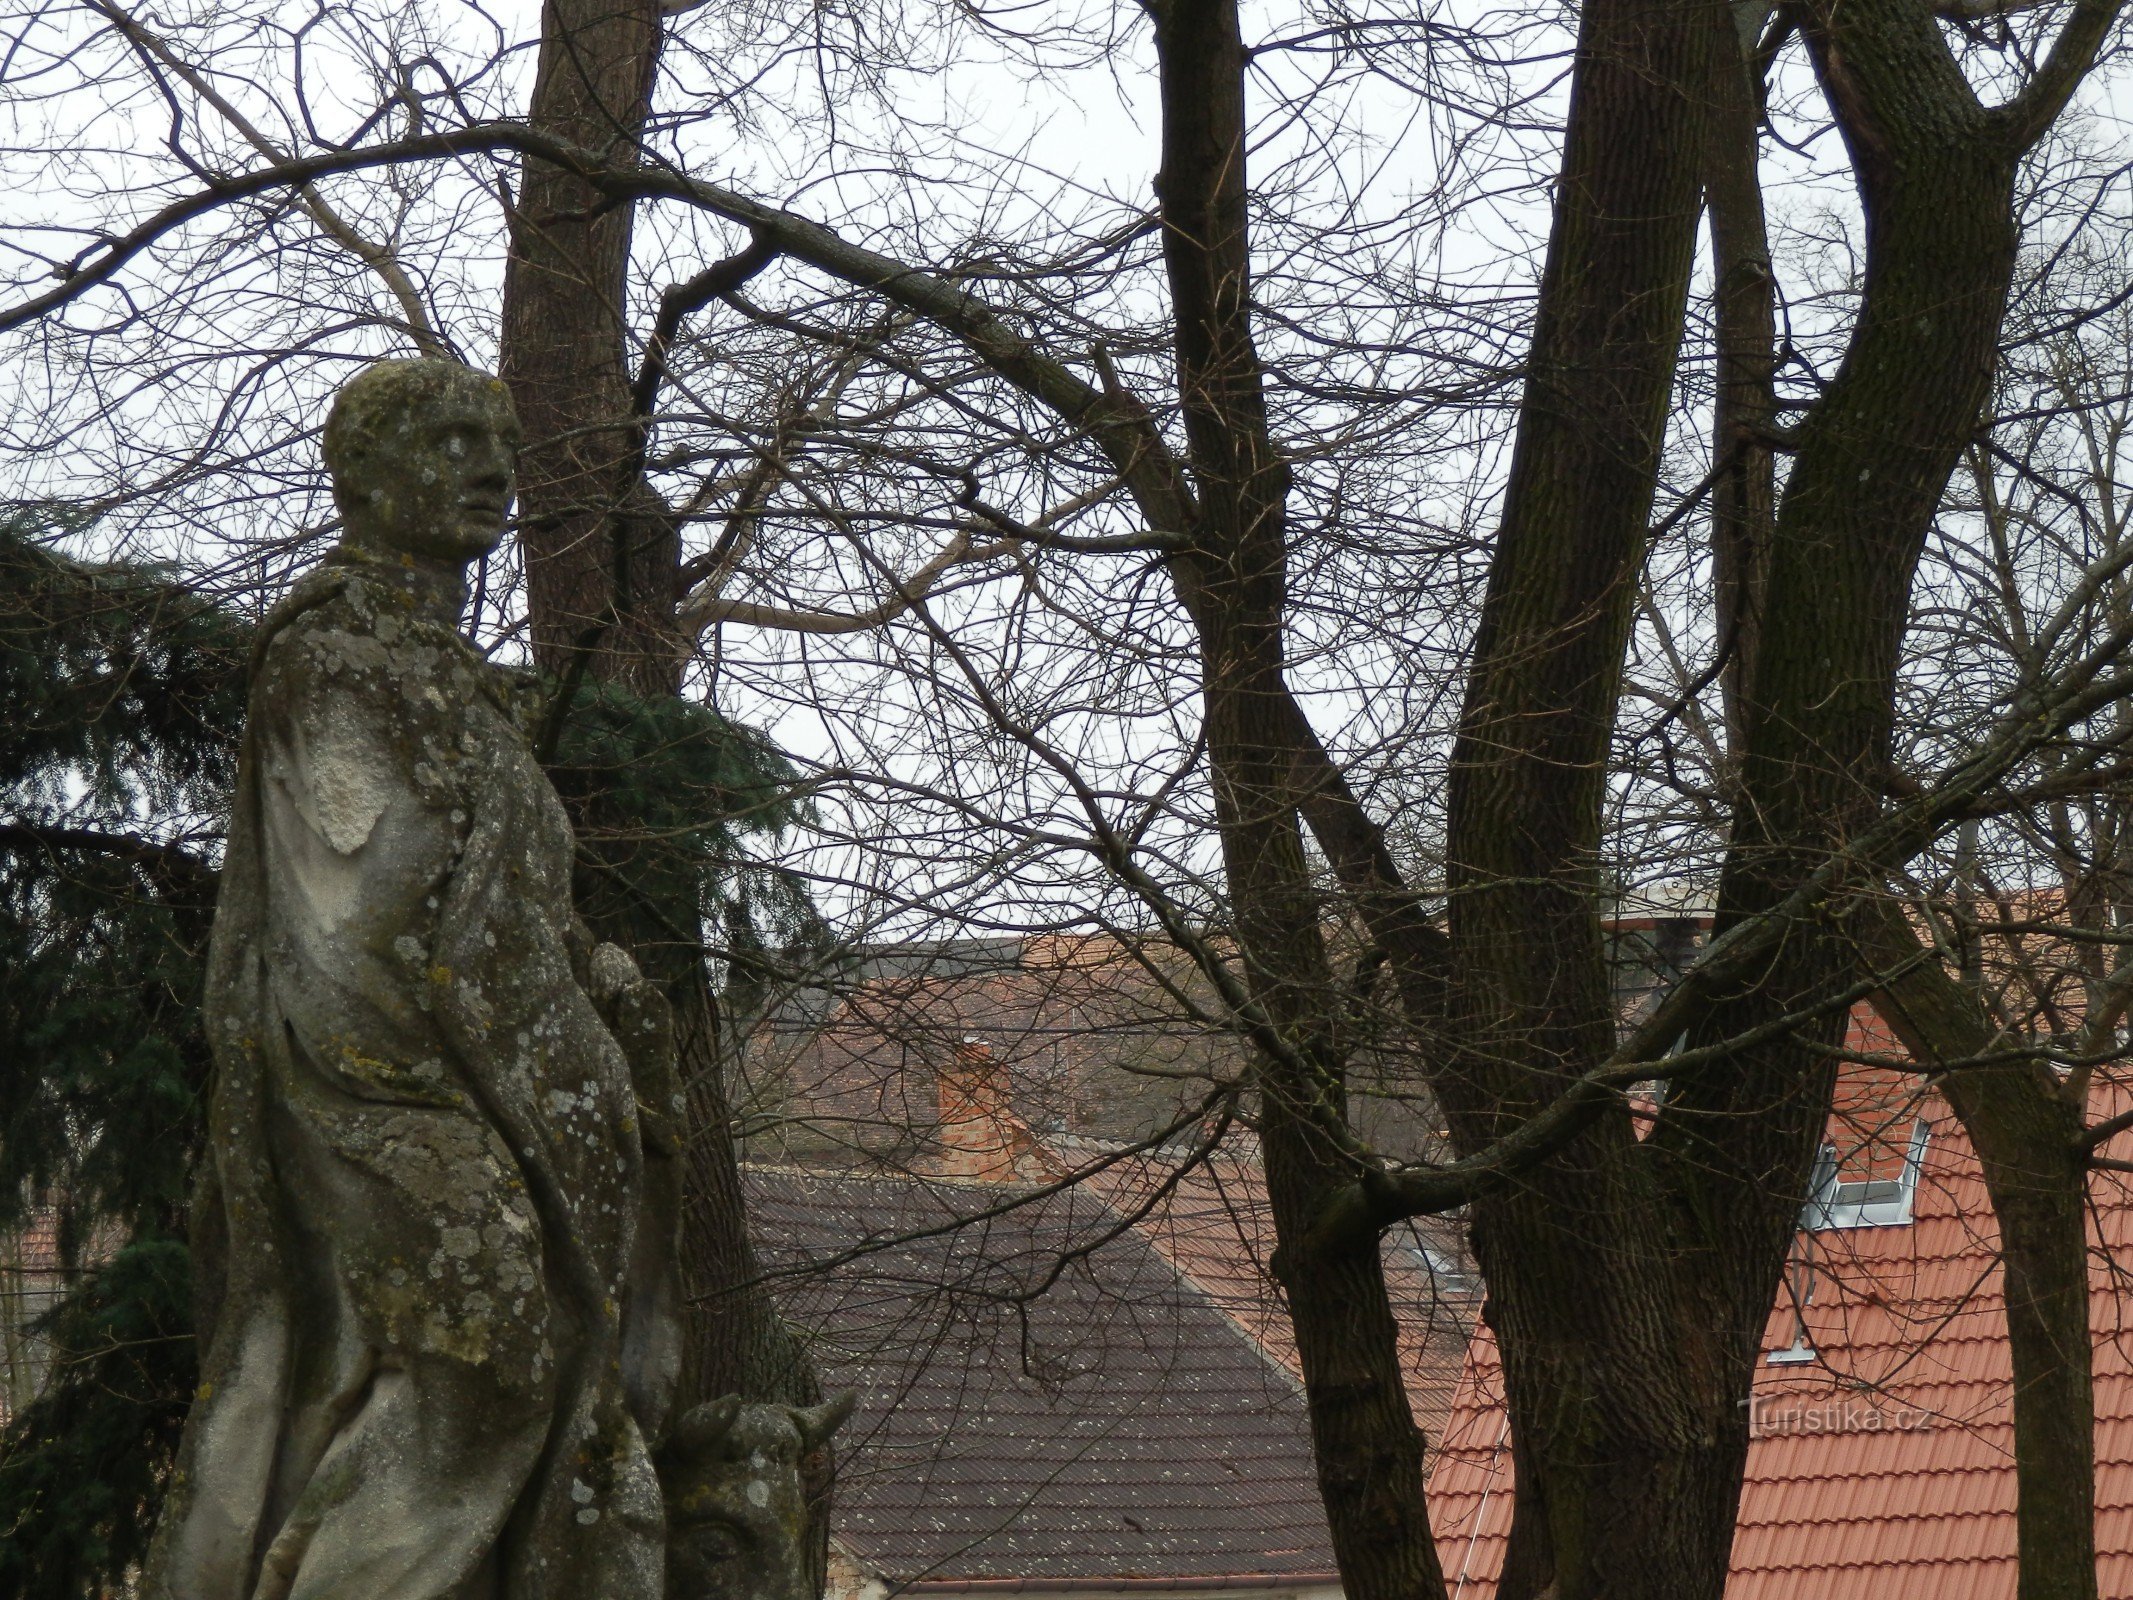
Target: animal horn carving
(705, 1425)
(817, 1423)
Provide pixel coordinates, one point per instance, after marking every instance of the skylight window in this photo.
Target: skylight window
(1864, 1202)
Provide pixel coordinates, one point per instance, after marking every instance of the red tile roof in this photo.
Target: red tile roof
(1882, 1470)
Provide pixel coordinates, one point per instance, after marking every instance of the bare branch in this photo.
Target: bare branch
(2025, 118)
(699, 615)
(379, 258)
(1843, 880)
(1118, 423)
(1984, 10)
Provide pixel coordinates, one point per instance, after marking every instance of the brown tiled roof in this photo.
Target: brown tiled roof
(1882, 1470)
(1041, 1395)
(1089, 1033)
(1084, 1041)
(1017, 1062)
(1213, 1224)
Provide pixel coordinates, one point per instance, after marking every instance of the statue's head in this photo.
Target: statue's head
(422, 455)
(737, 1516)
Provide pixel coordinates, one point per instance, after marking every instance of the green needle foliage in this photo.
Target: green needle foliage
(124, 691)
(125, 694)
(666, 793)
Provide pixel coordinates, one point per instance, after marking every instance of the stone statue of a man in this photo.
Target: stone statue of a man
(436, 1245)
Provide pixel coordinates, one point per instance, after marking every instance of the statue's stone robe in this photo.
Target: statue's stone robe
(437, 1336)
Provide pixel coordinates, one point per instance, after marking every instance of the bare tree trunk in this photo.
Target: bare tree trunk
(1631, 1282)
(1744, 409)
(1872, 462)
(601, 562)
(1612, 1385)
(2027, 1131)
(1935, 174)
(1233, 578)
(602, 568)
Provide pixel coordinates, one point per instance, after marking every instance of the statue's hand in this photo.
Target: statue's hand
(638, 1015)
(612, 970)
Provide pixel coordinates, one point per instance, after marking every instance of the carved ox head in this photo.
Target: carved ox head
(736, 1506)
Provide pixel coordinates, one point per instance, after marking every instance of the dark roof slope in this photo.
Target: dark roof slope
(1214, 1223)
(1041, 1395)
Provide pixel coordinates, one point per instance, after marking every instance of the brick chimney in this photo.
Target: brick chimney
(980, 1138)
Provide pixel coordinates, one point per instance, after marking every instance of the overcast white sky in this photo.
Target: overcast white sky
(958, 134)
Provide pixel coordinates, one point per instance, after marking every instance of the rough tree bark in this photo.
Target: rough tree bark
(602, 573)
(1231, 573)
(2026, 1124)
(601, 564)
(1744, 401)
(1872, 460)
(1935, 174)
(1611, 1386)
(1628, 1346)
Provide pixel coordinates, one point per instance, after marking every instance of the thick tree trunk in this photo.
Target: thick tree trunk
(601, 562)
(1611, 1385)
(602, 569)
(1872, 461)
(1630, 1283)
(2025, 1129)
(1367, 1447)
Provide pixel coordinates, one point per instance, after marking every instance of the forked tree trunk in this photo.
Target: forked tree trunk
(1628, 1346)
(1232, 578)
(1872, 461)
(1612, 1384)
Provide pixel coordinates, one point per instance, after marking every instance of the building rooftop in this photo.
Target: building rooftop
(1880, 1464)
(1212, 1222)
(1043, 1397)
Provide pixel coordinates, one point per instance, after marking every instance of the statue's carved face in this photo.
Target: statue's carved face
(429, 464)
(737, 1518)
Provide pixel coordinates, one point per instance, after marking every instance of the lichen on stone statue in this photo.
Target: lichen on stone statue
(435, 1243)
(738, 1518)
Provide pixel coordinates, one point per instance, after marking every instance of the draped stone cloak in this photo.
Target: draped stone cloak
(436, 1244)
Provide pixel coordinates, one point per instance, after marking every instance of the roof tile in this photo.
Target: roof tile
(1111, 1423)
(1883, 1471)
